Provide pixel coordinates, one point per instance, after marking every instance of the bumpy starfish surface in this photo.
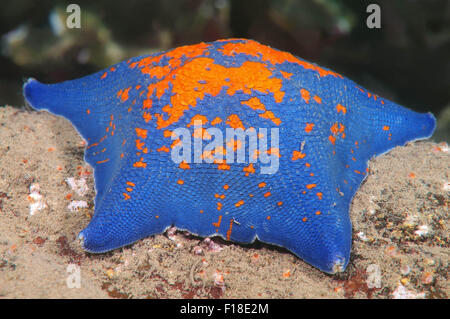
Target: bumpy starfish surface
(294, 193)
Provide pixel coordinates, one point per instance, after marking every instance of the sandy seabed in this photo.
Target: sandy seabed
(399, 216)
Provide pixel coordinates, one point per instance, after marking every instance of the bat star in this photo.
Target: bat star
(294, 193)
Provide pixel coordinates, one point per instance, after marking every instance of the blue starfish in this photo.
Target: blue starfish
(327, 128)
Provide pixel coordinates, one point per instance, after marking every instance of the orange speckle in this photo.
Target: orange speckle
(386, 128)
(261, 185)
(129, 189)
(267, 194)
(226, 186)
(104, 75)
(156, 71)
(286, 75)
(131, 184)
(305, 95)
(88, 111)
(216, 121)
(184, 165)
(126, 196)
(268, 217)
(68, 196)
(272, 55)
(163, 149)
(317, 99)
(148, 103)
(412, 175)
(175, 143)
(287, 273)
(341, 108)
(319, 195)
(104, 161)
(304, 219)
(229, 229)
(51, 149)
(280, 203)
(217, 224)
(142, 133)
(147, 117)
(332, 139)
(235, 122)
(297, 155)
(270, 116)
(124, 94)
(239, 203)
(249, 169)
(223, 167)
(180, 182)
(139, 144)
(309, 186)
(318, 212)
(219, 206)
(334, 129)
(199, 118)
(141, 163)
(274, 151)
(309, 127)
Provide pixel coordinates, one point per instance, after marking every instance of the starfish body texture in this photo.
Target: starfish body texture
(320, 131)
